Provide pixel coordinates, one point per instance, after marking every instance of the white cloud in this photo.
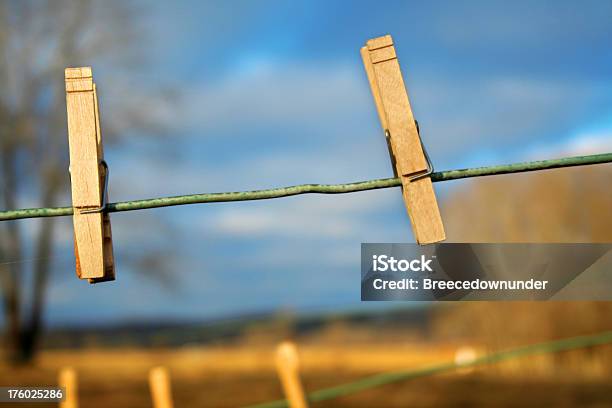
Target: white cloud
(272, 92)
(591, 143)
(321, 217)
(582, 142)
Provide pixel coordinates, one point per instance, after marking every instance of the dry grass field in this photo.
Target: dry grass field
(242, 375)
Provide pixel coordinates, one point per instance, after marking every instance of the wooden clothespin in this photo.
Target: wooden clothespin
(93, 246)
(408, 156)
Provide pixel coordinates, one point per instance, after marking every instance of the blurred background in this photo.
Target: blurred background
(224, 96)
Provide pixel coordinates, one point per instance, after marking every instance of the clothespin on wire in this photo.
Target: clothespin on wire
(93, 245)
(408, 155)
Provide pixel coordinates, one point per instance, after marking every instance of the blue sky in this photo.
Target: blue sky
(273, 93)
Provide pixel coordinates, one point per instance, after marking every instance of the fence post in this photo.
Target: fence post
(67, 378)
(288, 367)
(161, 392)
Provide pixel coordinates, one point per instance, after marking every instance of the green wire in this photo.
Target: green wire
(313, 188)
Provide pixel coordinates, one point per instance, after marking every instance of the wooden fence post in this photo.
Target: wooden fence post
(67, 378)
(288, 367)
(161, 392)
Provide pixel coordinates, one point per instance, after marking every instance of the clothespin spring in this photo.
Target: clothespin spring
(418, 176)
(104, 193)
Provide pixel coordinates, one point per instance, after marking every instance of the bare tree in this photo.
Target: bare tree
(38, 39)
